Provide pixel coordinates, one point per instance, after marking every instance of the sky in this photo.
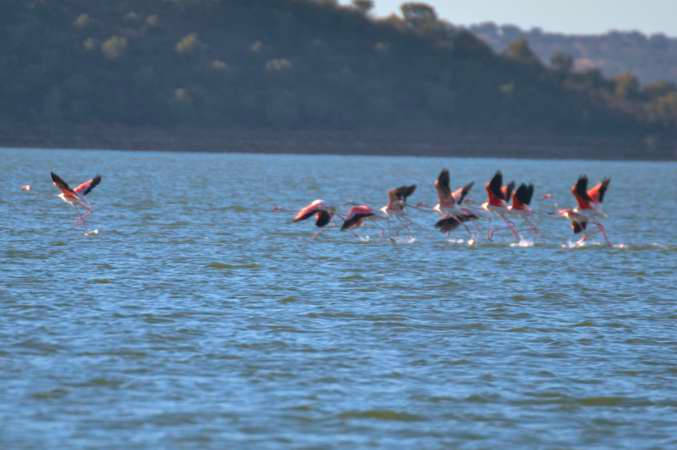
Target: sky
(564, 16)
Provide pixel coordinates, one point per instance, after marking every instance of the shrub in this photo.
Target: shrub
(114, 47)
(278, 65)
(82, 21)
(188, 44)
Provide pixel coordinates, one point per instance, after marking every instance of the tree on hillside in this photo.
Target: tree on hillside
(659, 89)
(626, 86)
(519, 50)
(562, 62)
(364, 6)
(415, 12)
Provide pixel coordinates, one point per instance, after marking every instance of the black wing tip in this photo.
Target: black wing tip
(578, 227)
(443, 180)
(509, 190)
(602, 190)
(524, 193)
(323, 218)
(495, 184)
(403, 192)
(447, 224)
(581, 186)
(347, 224)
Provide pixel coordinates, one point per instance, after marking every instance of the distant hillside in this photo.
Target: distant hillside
(295, 65)
(650, 58)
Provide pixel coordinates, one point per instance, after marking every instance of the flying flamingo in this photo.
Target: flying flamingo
(521, 199)
(496, 202)
(318, 208)
(356, 217)
(449, 204)
(76, 197)
(589, 207)
(397, 200)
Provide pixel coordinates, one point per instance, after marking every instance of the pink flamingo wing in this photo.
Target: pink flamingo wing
(308, 210)
(596, 193)
(60, 184)
(86, 187)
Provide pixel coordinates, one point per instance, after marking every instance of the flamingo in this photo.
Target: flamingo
(496, 202)
(397, 200)
(589, 207)
(448, 205)
(521, 199)
(76, 197)
(318, 208)
(356, 217)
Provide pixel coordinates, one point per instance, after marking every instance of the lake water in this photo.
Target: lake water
(191, 315)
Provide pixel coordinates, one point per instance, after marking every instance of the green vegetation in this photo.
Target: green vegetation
(297, 64)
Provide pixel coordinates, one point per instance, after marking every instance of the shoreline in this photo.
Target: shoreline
(430, 143)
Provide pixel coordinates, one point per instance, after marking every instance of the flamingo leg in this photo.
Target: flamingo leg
(83, 217)
(532, 227)
(490, 231)
(603, 231)
(511, 226)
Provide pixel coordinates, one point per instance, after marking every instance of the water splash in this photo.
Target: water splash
(403, 240)
(523, 243)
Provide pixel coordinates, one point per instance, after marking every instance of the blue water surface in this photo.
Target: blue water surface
(186, 313)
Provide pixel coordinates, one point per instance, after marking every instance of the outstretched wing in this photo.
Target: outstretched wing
(495, 184)
(355, 215)
(59, 183)
(403, 192)
(597, 192)
(442, 184)
(523, 195)
(451, 222)
(460, 193)
(308, 210)
(323, 218)
(86, 187)
(577, 226)
(447, 224)
(506, 191)
(580, 189)
(530, 193)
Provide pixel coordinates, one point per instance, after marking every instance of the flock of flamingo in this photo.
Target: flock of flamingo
(453, 208)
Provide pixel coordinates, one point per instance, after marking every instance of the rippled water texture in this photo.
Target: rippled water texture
(191, 315)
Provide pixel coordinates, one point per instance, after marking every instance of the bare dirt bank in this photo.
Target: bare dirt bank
(369, 142)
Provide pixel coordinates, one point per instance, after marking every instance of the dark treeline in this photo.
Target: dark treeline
(296, 64)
